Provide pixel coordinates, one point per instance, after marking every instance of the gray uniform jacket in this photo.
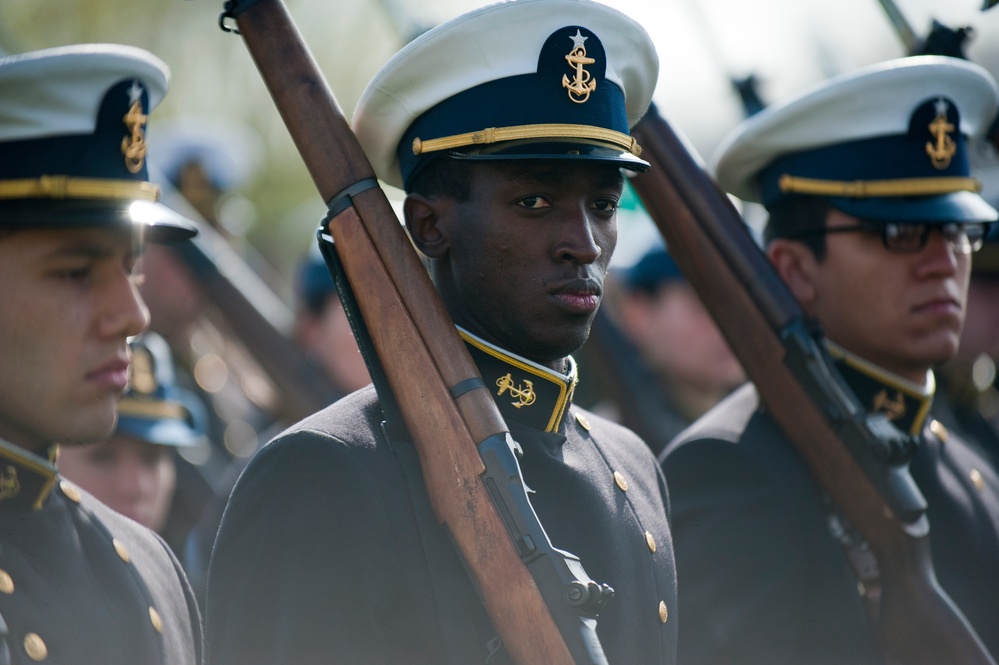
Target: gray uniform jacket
(79, 583)
(762, 576)
(328, 550)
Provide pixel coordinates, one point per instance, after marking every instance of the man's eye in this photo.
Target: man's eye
(75, 274)
(606, 205)
(534, 202)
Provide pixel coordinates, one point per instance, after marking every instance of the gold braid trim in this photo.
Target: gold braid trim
(152, 410)
(544, 131)
(868, 188)
(67, 187)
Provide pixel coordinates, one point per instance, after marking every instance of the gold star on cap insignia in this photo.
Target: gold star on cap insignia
(134, 92)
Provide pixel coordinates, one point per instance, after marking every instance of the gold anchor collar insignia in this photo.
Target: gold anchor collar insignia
(26, 479)
(524, 391)
(903, 402)
(942, 146)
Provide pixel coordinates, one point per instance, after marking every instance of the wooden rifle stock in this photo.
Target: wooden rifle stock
(425, 359)
(851, 455)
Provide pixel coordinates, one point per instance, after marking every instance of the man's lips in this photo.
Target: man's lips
(938, 305)
(582, 296)
(113, 374)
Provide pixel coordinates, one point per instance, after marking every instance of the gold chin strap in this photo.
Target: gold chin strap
(67, 187)
(520, 132)
(870, 188)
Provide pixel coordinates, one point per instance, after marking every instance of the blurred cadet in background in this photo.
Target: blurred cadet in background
(210, 161)
(135, 471)
(967, 399)
(664, 317)
(201, 165)
(658, 359)
(322, 329)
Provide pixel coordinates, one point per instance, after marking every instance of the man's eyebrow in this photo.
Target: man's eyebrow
(555, 175)
(550, 175)
(90, 249)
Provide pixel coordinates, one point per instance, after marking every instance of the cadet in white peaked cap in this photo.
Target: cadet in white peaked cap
(79, 582)
(873, 218)
(508, 128)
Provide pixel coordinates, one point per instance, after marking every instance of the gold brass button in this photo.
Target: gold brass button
(650, 541)
(35, 647)
(977, 480)
(663, 612)
(70, 490)
(156, 620)
(121, 550)
(938, 428)
(583, 422)
(6, 582)
(621, 481)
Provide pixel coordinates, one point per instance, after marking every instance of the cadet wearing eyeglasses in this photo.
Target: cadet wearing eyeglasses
(873, 221)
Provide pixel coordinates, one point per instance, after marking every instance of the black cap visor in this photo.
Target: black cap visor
(158, 223)
(567, 150)
(946, 208)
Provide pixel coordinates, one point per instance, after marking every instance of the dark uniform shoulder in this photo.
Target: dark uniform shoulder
(355, 419)
(726, 421)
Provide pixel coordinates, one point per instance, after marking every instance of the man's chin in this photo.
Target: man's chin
(91, 428)
(938, 352)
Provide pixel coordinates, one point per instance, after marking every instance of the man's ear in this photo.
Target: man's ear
(795, 263)
(423, 220)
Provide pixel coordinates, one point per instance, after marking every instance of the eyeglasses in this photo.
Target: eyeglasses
(907, 238)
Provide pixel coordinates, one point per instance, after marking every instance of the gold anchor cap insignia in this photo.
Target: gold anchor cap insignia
(892, 408)
(133, 146)
(525, 395)
(10, 486)
(942, 148)
(582, 83)
(142, 375)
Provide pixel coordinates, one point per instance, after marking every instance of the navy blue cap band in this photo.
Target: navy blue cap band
(868, 160)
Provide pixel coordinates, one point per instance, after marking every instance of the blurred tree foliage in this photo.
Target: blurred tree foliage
(213, 77)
